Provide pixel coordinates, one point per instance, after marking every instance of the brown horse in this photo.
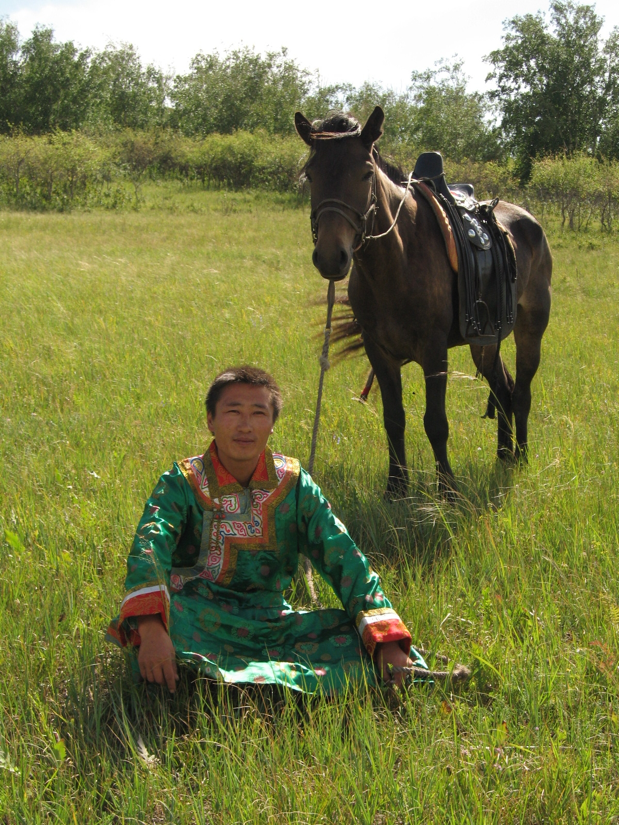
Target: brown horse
(403, 291)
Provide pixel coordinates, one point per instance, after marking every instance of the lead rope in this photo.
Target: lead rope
(324, 366)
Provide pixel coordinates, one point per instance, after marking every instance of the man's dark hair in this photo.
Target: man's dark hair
(244, 375)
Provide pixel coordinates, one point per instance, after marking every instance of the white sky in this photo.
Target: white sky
(351, 41)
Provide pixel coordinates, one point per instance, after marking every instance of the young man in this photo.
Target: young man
(217, 546)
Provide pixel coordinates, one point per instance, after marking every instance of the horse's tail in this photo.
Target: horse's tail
(346, 330)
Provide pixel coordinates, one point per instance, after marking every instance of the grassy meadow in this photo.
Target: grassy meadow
(112, 326)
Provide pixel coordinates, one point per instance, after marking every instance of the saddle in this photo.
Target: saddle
(480, 252)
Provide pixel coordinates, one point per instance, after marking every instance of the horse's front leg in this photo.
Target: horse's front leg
(435, 418)
(390, 381)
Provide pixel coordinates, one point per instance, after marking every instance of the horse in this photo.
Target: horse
(404, 292)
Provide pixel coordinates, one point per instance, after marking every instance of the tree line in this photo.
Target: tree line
(46, 85)
(555, 90)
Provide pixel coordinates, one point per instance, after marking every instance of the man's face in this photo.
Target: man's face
(242, 424)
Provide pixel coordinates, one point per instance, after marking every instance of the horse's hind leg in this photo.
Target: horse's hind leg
(435, 418)
(528, 332)
(390, 382)
(501, 388)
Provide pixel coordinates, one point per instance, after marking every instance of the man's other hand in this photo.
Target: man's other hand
(390, 653)
(156, 654)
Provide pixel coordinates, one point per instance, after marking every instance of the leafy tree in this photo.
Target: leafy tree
(398, 108)
(609, 139)
(124, 93)
(9, 74)
(435, 113)
(556, 83)
(54, 88)
(322, 99)
(241, 90)
(448, 118)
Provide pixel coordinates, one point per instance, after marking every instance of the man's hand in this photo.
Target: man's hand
(390, 653)
(156, 656)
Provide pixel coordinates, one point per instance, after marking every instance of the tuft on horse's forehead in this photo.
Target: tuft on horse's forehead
(338, 123)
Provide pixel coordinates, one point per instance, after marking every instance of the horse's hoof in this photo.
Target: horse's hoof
(392, 495)
(521, 457)
(506, 456)
(448, 490)
(397, 488)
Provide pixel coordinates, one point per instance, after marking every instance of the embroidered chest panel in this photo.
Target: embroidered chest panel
(236, 519)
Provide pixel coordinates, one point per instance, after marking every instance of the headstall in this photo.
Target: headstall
(360, 225)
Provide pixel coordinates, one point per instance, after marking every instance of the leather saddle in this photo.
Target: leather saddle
(429, 167)
(483, 257)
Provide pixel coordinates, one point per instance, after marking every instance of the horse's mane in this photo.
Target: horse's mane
(339, 123)
(392, 169)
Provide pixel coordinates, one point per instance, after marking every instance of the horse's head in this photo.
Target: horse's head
(342, 177)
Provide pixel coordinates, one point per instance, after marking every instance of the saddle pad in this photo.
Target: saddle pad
(443, 222)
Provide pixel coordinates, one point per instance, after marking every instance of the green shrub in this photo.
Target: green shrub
(577, 188)
(247, 160)
(279, 164)
(491, 179)
(57, 171)
(64, 170)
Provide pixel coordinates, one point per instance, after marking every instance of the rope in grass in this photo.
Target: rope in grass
(459, 673)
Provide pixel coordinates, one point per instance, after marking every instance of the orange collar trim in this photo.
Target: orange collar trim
(224, 478)
(221, 482)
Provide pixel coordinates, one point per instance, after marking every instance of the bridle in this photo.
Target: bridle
(360, 225)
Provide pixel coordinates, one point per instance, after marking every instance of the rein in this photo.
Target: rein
(324, 366)
(397, 214)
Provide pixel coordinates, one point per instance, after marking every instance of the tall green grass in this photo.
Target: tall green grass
(112, 327)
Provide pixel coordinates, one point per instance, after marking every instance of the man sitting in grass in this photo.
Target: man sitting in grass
(218, 544)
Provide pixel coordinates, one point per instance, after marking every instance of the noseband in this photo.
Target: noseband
(360, 225)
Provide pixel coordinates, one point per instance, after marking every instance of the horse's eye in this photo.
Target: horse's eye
(368, 175)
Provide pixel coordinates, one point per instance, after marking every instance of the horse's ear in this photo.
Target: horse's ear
(373, 129)
(303, 127)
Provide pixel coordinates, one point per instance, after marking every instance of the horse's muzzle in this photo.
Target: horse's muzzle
(333, 267)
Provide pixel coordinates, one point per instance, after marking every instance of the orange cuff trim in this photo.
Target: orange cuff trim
(378, 629)
(145, 602)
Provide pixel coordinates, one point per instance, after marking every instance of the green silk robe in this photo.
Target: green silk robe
(213, 559)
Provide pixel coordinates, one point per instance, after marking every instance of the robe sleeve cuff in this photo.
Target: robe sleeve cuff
(380, 626)
(145, 601)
